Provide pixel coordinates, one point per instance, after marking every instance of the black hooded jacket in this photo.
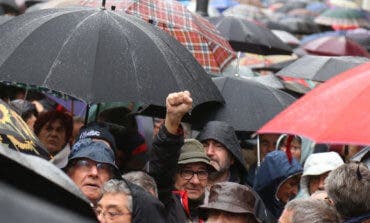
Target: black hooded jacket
(225, 134)
(162, 167)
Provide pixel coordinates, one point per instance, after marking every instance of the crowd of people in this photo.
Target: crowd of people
(204, 177)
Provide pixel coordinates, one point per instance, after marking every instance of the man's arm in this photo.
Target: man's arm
(167, 145)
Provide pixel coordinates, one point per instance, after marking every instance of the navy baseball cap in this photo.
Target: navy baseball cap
(97, 130)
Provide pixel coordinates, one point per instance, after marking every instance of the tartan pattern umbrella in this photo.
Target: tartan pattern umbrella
(199, 36)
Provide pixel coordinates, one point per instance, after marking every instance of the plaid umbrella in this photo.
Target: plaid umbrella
(343, 18)
(198, 35)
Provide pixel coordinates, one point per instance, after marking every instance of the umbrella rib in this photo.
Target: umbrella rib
(61, 49)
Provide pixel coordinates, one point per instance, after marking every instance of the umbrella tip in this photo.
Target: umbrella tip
(103, 4)
(113, 7)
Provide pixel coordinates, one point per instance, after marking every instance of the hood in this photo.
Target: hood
(275, 169)
(146, 208)
(225, 134)
(317, 164)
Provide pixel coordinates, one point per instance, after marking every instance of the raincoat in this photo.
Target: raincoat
(274, 170)
(317, 164)
(225, 134)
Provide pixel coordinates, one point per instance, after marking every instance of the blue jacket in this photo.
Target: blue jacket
(274, 170)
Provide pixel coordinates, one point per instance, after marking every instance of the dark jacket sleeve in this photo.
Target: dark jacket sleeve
(163, 162)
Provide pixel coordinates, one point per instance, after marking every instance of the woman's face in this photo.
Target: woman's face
(295, 148)
(53, 136)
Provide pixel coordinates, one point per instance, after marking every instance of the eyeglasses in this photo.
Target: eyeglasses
(188, 174)
(111, 215)
(87, 165)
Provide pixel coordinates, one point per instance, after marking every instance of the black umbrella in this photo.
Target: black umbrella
(296, 25)
(249, 104)
(245, 36)
(34, 190)
(99, 55)
(320, 68)
(362, 156)
(5, 18)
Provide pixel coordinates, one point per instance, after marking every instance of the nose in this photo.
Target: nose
(322, 184)
(93, 171)
(210, 150)
(101, 218)
(195, 179)
(295, 190)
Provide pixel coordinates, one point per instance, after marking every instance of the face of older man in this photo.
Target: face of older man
(112, 208)
(192, 178)
(220, 157)
(89, 176)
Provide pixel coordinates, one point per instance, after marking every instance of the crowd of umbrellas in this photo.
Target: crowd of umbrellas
(289, 66)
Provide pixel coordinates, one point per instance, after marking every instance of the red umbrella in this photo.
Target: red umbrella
(335, 46)
(335, 112)
(201, 38)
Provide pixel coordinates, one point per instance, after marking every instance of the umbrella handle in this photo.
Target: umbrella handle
(258, 152)
(237, 64)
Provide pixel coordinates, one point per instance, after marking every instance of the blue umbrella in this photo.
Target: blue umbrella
(314, 36)
(221, 5)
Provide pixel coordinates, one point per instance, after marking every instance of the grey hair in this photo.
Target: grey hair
(309, 210)
(118, 186)
(348, 187)
(143, 180)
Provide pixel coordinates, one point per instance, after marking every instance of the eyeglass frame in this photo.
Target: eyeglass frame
(181, 172)
(98, 165)
(110, 214)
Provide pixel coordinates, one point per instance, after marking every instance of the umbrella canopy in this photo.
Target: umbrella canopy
(5, 18)
(16, 135)
(335, 46)
(299, 25)
(249, 104)
(199, 36)
(320, 68)
(35, 190)
(286, 37)
(100, 56)
(344, 4)
(343, 18)
(244, 11)
(334, 112)
(247, 37)
(361, 36)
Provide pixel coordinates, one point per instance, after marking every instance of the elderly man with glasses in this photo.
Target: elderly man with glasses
(180, 169)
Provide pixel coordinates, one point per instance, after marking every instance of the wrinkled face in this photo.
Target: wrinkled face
(196, 185)
(220, 157)
(316, 183)
(289, 189)
(90, 176)
(112, 208)
(216, 216)
(268, 143)
(53, 136)
(295, 148)
(286, 216)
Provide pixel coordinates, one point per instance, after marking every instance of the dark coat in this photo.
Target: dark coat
(146, 208)
(225, 134)
(274, 170)
(162, 167)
